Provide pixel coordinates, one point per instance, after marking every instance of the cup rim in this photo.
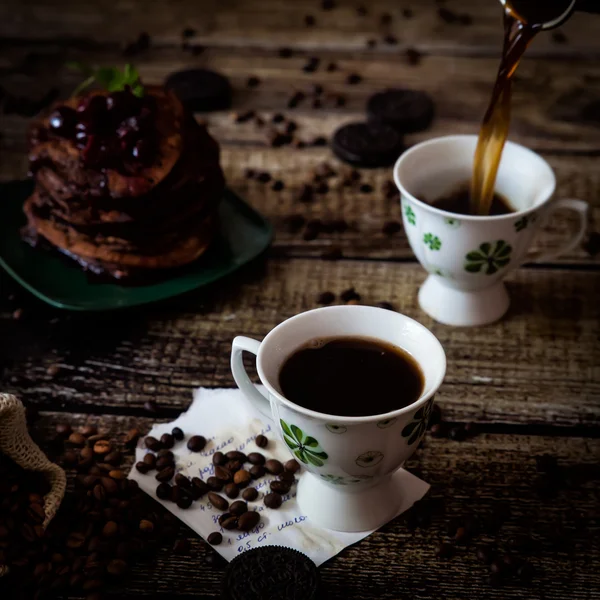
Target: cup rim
(339, 418)
(474, 218)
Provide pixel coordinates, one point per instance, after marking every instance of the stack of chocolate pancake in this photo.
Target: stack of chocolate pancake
(127, 186)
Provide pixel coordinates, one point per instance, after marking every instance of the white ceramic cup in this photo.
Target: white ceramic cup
(350, 460)
(468, 256)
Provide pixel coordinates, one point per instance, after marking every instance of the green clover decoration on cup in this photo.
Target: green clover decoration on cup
(490, 257)
(305, 447)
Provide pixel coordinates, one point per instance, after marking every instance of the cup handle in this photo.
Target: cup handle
(578, 206)
(259, 401)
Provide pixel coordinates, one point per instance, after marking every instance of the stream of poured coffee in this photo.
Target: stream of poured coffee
(494, 129)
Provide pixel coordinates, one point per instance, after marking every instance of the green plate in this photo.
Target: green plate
(243, 235)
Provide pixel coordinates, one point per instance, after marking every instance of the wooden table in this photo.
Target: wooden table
(530, 382)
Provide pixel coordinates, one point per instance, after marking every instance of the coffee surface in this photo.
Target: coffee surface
(459, 202)
(351, 377)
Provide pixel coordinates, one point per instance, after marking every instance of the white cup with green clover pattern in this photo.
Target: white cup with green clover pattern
(467, 257)
(348, 462)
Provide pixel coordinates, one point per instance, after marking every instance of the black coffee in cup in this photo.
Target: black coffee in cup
(351, 377)
(459, 202)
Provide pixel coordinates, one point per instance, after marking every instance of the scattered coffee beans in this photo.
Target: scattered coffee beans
(273, 466)
(218, 501)
(250, 494)
(261, 441)
(273, 500)
(215, 538)
(196, 443)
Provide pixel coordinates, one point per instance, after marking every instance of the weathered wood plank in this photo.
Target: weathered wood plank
(473, 478)
(365, 214)
(460, 87)
(537, 366)
(271, 23)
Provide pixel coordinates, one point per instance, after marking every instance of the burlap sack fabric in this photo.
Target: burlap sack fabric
(17, 445)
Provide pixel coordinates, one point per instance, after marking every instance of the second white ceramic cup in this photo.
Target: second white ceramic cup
(468, 256)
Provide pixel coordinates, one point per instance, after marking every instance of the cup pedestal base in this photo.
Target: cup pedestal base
(343, 508)
(463, 308)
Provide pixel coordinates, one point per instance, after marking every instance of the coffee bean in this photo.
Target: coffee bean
(250, 494)
(146, 526)
(287, 477)
(230, 523)
(199, 486)
(69, 458)
(77, 439)
(274, 466)
(131, 438)
(219, 458)
(443, 550)
(222, 474)
(177, 433)
(117, 474)
(497, 566)
(231, 490)
(233, 466)
(273, 500)
(152, 443)
(257, 471)
(236, 455)
(281, 487)
(110, 529)
(150, 406)
(113, 458)
(110, 485)
(353, 79)
(292, 465)
(196, 443)
(165, 475)
(64, 429)
(256, 458)
(215, 538)
(164, 462)
(184, 502)
(117, 567)
(461, 535)
(325, 298)
(214, 484)
(150, 460)
(248, 520)
(238, 508)
(218, 501)
(102, 447)
(99, 492)
(261, 441)
(167, 440)
(163, 491)
(438, 430)
(484, 554)
(182, 480)
(242, 478)
(142, 467)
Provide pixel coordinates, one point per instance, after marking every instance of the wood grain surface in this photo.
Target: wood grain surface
(531, 383)
(478, 477)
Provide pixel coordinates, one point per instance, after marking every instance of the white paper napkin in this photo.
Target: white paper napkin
(229, 422)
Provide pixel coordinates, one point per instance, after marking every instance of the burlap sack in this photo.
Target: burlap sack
(16, 444)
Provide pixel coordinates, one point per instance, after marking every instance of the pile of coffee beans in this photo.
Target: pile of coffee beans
(234, 473)
(104, 525)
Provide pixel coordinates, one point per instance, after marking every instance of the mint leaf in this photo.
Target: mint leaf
(110, 78)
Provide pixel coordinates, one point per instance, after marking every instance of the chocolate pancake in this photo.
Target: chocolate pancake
(173, 250)
(64, 155)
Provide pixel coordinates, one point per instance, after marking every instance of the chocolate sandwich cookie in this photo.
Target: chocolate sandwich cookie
(271, 572)
(367, 144)
(200, 89)
(406, 110)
